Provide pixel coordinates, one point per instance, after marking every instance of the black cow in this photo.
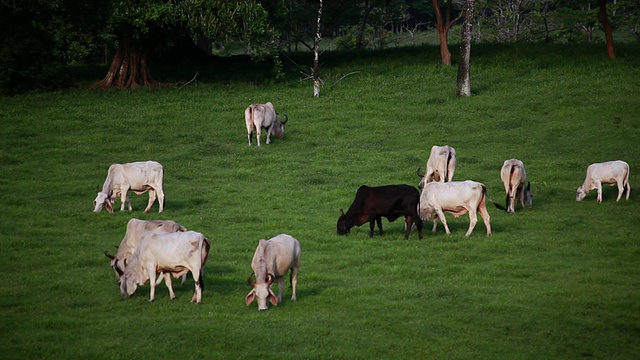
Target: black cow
(389, 201)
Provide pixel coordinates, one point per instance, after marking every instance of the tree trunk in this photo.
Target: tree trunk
(443, 31)
(129, 68)
(363, 25)
(316, 56)
(606, 25)
(464, 78)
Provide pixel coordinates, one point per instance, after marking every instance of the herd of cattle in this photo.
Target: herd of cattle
(165, 248)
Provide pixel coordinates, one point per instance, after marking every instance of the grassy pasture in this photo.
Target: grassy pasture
(560, 280)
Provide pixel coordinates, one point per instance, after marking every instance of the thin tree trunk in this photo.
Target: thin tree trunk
(363, 25)
(443, 31)
(129, 68)
(606, 25)
(464, 77)
(316, 56)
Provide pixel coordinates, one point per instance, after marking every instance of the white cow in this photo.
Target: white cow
(441, 165)
(457, 198)
(170, 253)
(272, 259)
(514, 178)
(138, 177)
(258, 116)
(610, 172)
(132, 237)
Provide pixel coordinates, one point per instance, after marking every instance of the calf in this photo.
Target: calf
(457, 198)
(513, 178)
(610, 172)
(271, 260)
(258, 116)
(138, 177)
(172, 254)
(373, 203)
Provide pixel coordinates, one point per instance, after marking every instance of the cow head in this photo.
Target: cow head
(343, 225)
(262, 291)
(528, 196)
(117, 265)
(278, 126)
(581, 194)
(101, 200)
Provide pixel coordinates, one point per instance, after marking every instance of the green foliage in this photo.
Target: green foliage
(373, 38)
(560, 280)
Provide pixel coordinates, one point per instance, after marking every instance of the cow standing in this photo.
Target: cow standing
(170, 253)
(457, 198)
(259, 116)
(132, 237)
(271, 260)
(138, 177)
(514, 178)
(441, 165)
(373, 203)
(610, 172)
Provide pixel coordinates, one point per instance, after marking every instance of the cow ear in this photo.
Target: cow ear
(250, 296)
(341, 212)
(272, 298)
(109, 207)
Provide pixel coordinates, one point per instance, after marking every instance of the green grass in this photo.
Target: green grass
(560, 280)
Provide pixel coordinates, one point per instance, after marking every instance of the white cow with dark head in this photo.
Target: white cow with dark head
(610, 172)
(169, 253)
(271, 260)
(138, 177)
(514, 179)
(259, 116)
(457, 198)
(441, 165)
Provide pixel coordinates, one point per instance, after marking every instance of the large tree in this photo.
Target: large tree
(443, 24)
(140, 27)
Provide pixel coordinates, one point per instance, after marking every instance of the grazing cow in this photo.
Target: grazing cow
(258, 116)
(610, 172)
(170, 253)
(441, 165)
(132, 237)
(373, 203)
(514, 178)
(272, 259)
(138, 177)
(457, 198)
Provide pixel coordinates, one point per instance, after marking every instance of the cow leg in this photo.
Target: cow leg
(269, 135)
(124, 191)
(167, 282)
(620, 189)
(258, 131)
(599, 187)
(418, 223)
(443, 220)
(379, 221)
(198, 278)
(280, 288)
(160, 193)
(372, 225)
(486, 219)
(294, 282)
(473, 219)
(408, 222)
(152, 199)
(184, 280)
(435, 225)
(151, 270)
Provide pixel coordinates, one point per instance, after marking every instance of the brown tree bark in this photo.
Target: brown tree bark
(316, 58)
(443, 31)
(606, 25)
(363, 25)
(129, 68)
(464, 77)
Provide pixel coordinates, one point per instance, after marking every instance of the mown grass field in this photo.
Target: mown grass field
(560, 280)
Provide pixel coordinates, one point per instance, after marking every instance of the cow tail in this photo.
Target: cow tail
(511, 170)
(446, 166)
(626, 182)
(206, 246)
(484, 197)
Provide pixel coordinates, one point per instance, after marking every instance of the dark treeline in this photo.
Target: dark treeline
(43, 37)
